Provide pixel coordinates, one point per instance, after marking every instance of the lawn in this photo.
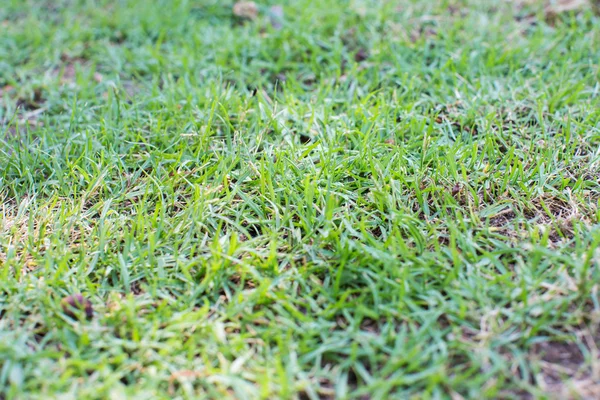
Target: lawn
(307, 200)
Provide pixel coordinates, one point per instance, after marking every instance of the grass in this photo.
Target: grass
(376, 199)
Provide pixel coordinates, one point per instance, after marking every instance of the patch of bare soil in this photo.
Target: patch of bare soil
(565, 372)
(69, 67)
(30, 107)
(549, 213)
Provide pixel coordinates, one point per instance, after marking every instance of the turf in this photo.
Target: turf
(355, 200)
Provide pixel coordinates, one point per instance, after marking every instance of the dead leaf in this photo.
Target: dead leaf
(245, 9)
(277, 17)
(455, 190)
(69, 73)
(361, 55)
(72, 305)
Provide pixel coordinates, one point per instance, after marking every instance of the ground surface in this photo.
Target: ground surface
(336, 199)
